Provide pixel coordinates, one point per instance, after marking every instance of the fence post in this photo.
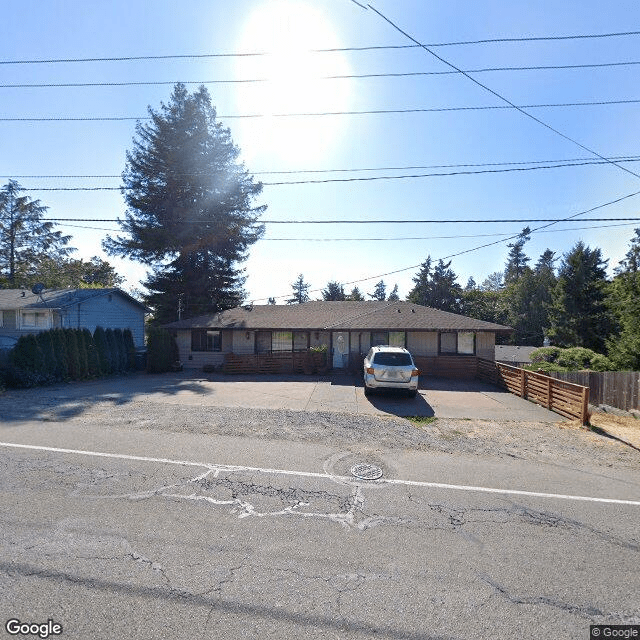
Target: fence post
(585, 406)
(549, 387)
(523, 382)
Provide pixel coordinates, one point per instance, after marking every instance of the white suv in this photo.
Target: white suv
(390, 368)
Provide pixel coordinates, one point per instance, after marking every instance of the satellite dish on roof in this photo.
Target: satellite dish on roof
(37, 288)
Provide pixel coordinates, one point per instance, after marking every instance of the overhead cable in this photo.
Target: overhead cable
(501, 97)
(194, 56)
(360, 113)
(406, 74)
(577, 161)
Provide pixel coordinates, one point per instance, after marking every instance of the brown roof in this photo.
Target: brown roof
(360, 316)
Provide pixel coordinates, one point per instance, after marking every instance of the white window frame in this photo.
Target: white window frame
(47, 319)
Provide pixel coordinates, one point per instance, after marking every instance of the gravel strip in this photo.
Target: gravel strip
(566, 443)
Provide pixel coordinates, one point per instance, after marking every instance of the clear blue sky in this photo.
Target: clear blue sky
(35, 30)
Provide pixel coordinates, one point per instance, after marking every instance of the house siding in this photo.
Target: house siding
(423, 343)
(486, 345)
(243, 342)
(116, 313)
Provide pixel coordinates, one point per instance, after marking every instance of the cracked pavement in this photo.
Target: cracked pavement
(132, 548)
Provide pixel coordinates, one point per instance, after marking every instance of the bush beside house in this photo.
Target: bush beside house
(60, 355)
(570, 359)
(162, 351)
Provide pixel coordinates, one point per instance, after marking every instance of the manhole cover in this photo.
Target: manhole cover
(366, 471)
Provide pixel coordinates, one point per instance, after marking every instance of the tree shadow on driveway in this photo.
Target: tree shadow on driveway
(65, 401)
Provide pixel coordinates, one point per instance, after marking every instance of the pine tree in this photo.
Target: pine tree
(422, 284)
(24, 238)
(393, 296)
(300, 291)
(517, 260)
(189, 208)
(333, 291)
(578, 314)
(380, 291)
(437, 287)
(355, 295)
(623, 347)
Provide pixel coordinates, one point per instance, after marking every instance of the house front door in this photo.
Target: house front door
(340, 349)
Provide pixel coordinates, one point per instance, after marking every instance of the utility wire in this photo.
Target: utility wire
(389, 221)
(500, 96)
(367, 112)
(365, 179)
(482, 246)
(577, 161)
(152, 83)
(194, 56)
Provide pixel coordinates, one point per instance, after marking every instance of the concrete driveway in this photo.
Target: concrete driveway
(441, 397)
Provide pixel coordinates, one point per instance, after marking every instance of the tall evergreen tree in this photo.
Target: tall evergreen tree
(60, 273)
(578, 315)
(379, 292)
(333, 291)
(300, 291)
(355, 295)
(189, 208)
(437, 287)
(393, 296)
(24, 238)
(624, 300)
(517, 259)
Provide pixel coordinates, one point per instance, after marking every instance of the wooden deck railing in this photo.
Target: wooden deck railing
(567, 399)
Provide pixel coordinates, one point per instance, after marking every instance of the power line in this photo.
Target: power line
(582, 160)
(360, 179)
(388, 221)
(195, 56)
(482, 246)
(155, 83)
(521, 109)
(405, 238)
(360, 113)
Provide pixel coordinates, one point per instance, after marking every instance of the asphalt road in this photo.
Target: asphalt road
(127, 532)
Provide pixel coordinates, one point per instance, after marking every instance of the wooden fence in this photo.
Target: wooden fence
(567, 399)
(284, 362)
(619, 389)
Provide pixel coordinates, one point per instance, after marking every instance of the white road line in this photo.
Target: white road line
(326, 476)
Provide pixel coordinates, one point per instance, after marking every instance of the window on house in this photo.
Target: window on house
(379, 337)
(35, 319)
(448, 343)
(205, 340)
(281, 341)
(300, 340)
(396, 339)
(466, 343)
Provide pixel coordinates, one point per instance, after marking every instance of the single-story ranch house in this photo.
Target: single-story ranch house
(442, 343)
(22, 311)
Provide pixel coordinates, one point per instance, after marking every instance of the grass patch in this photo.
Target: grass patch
(421, 419)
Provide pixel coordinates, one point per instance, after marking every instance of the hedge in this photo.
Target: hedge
(60, 355)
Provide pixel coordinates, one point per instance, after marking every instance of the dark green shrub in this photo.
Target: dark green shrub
(82, 354)
(62, 356)
(162, 351)
(121, 350)
(102, 348)
(112, 350)
(93, 362)
(73, 352)
(49, 368)
(571, 359)
(26, 363)
(130, 349)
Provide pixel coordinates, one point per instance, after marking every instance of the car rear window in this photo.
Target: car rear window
(393, 359)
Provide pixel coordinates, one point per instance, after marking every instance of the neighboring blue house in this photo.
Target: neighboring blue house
(23, 311)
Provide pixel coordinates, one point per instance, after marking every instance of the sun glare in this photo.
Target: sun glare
(287, 30)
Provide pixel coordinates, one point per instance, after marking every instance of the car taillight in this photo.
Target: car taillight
(415, 372)
(370, 370)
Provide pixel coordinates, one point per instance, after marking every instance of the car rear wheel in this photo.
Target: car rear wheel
(367, 390)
